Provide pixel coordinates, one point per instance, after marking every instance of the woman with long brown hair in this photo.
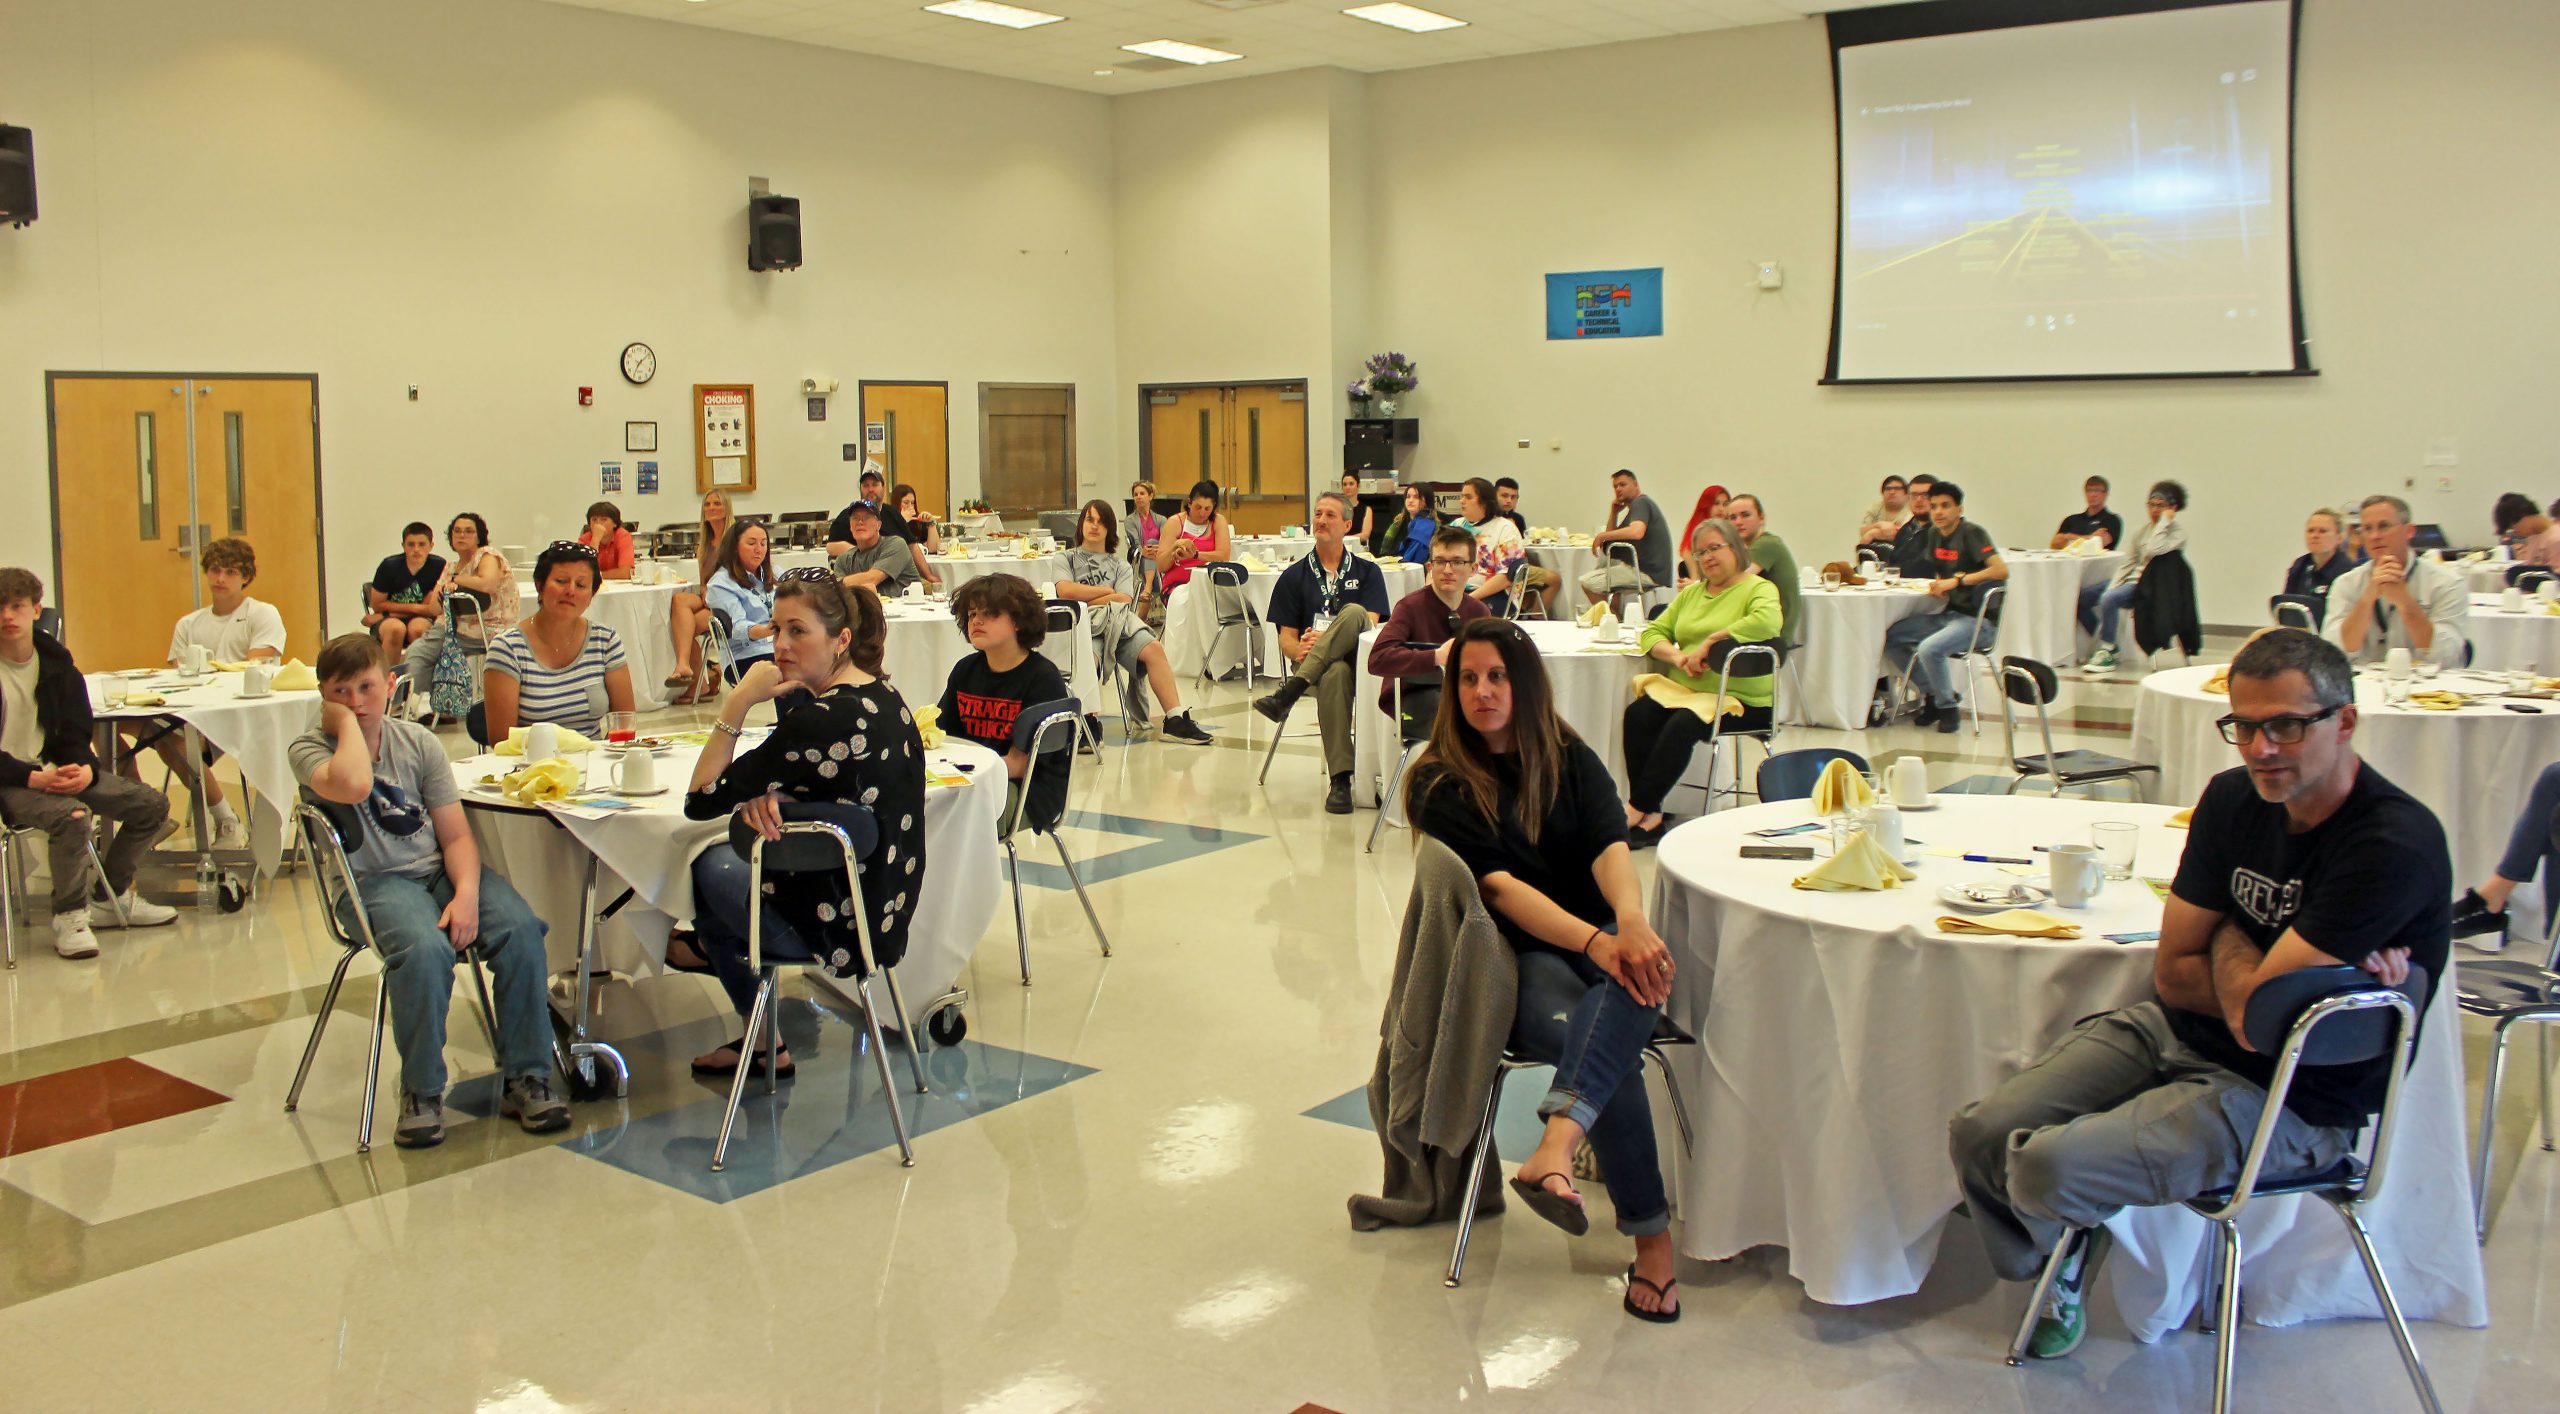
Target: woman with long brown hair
(689, 617)
(1528, 805)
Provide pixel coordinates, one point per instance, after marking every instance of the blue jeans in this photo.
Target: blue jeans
(720, 885)
(1594, 1030)
(2530, 842)
(417, 969)
(2100, 606)
(1925, 644)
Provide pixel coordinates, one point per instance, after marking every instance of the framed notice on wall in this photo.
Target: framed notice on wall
(724, 436)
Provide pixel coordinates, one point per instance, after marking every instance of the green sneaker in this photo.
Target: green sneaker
(2064, 1321)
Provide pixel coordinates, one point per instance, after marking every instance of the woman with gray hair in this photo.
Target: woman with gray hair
(2102, 605)
(1729, 602)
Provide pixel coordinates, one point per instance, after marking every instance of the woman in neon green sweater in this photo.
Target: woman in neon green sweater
(1729, 602)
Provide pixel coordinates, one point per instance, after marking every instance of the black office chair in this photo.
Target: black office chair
(817, 837)
(1033, 731)
(2316, 1016)
(2024, 680)
(2512, 994)
(1789, 775)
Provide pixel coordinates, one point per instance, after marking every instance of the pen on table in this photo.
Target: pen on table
(1994, 859)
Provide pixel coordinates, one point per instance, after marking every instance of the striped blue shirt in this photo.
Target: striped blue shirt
(571, 697)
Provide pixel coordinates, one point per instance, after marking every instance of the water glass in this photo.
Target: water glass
(1830, 579)
(1893, 576)
(2522, 678)
(2116, 841)
(621, 726)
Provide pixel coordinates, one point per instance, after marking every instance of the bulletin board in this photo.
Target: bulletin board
(724, 436)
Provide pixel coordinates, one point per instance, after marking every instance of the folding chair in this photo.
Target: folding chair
(13, 882)
(1718, 733)
(817, 837)
(2294, 611)
(1977, 652)
(2317, 1016)
(1789, 775)
(326, 826)
(2513, 994)
(1414, 734)
(1233, 611)
(1623, 552)
(1032, 731)
(1064, 643)
(2028, 681)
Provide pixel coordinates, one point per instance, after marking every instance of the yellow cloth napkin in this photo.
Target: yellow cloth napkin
(1592, 616)
(2183, 818)
(230, 667)
(1840, 789)
(1666, 693)
(929, 726)
(2438, 700)
(1578, 538)
(1862, 866)
(514, 744)
(958, 551)
(1252, 562)
(145, 699)
(295, 677)
(2219, 683)
(540, 781)
(2013, 922)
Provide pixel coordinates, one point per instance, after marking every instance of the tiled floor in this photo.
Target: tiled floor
(1128, 1194)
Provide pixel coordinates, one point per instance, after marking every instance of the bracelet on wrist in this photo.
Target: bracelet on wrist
(724, 728)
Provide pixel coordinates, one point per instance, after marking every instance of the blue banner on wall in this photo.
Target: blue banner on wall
(1605, 304)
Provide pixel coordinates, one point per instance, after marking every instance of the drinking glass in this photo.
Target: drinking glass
(2522, 677)
(621, 726)
(1830, 579)
(1893, 576)
(2115, 840)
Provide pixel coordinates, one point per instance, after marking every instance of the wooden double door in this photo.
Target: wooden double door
(149, 468)
(1247, 439)
(915, 443)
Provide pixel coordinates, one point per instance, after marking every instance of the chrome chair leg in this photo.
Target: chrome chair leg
(773, 1039)
(1277, 730)
(9, 897)
(319, 1024)
(2480, 1157)
(1475, 1179)
(2227, 1341)
(2390, 1305)
(746, 1062)
(2542, 1040)
(1021, 932)
(898, 1009)
(2036, 1297)
(888, 1077)
(373, 1067)
(1671, 1088)
(488, 1011)
(1078, 880)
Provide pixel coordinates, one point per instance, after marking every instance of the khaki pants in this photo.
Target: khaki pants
(1329, 672)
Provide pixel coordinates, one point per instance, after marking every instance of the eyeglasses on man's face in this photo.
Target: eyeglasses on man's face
(2283, 731)
(1444, 562)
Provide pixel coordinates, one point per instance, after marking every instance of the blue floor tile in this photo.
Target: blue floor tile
(1516, 1125)
(1166, 843)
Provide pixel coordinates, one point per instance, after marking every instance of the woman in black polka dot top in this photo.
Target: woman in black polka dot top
(843, 735)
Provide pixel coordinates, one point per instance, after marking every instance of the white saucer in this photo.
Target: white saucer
(1954, 896)
(1930, 804)
(642, 794)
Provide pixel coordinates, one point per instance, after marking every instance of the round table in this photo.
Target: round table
(2472, 767)
(2040, 615)
(642, 615)
(647, 845)
(956, 570)
(1570, 562)
(1191, 627)
(1833, 678)
(1590, 681)
(924, 641)
(1840, 1031)
(2503, 639)
(252, 731)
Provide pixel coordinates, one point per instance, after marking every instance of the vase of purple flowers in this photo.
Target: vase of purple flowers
(1390, 376)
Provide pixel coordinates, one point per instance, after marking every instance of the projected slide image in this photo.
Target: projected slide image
(2103, 196)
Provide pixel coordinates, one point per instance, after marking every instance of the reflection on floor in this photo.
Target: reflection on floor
(1128, 1191)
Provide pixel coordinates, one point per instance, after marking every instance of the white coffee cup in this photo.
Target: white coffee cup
(636, 773)
(915, 589)
(2548, 591)
(541, 741)
(1632, 616)
(2077, 874)
(197, 659)
(2512, 600)
(1608, 630)
(257, 680)
(1910, 781)
(2396, 663)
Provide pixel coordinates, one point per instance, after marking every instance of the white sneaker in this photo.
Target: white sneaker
(142, 911)
(2101, 662)
(71, 936)
(230, 833)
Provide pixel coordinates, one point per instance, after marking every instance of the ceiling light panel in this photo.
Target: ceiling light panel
(989, 12)
(1412, 19)
(1180, 52)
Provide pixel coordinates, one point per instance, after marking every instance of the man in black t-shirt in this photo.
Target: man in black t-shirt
(2302, 857)
(2095, 519)
(400, 603)
(1958, 558)
(875, 490)
(1910, 545)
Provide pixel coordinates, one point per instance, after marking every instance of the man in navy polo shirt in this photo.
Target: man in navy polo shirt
(1321, 606)
(1960, 559)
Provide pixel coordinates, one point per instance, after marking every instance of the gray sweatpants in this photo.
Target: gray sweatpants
(2119, 1113)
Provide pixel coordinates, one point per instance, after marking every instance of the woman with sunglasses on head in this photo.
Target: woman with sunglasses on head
(1510, 788)
(742, 588)
(555, 666)
(689, 614)
(842, 735)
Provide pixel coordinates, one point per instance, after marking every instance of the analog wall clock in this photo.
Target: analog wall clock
(639, 362)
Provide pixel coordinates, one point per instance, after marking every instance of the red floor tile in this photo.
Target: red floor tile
(92, 1099)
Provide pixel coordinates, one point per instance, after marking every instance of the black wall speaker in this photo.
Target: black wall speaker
(17, 176)
(773, 233)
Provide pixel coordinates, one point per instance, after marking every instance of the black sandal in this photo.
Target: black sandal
(1660, 1293)
(1564, 1211)
(756, 1068)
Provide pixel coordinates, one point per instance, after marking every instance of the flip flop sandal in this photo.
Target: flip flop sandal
(1660, 1293)
(1564, 1212)
(714, 1068)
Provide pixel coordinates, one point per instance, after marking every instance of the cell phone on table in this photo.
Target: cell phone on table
(1783, 831)
(2133, 937)
(1777, 851)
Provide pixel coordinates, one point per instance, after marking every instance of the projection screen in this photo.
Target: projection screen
(2087, 198)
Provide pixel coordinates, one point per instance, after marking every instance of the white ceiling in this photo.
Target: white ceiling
(1273, 35)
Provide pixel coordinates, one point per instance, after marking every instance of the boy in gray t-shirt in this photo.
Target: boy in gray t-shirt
(1099, 579)
(424, 894)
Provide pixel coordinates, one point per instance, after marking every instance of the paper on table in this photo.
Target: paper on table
(2012, 922)
(1861, 865)
(1840, 789)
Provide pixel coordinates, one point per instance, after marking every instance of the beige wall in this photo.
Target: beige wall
(489, 198)
(2428, 189)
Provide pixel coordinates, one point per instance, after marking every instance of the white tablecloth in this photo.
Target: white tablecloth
(2471, 767)
(1571, 563)
(650, 849)
(1840, 1032)
(641, 613)
(1590, 682)
(1274, 550)
(2040, 615)
(2488, 576)
(1191, 627)
(2523, 638)
(924, 641)
(1835, 671)
(252, 731)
